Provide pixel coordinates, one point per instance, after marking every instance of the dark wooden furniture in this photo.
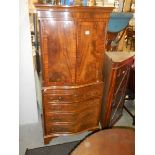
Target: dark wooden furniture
(130, 93)
(116, 141)
(117, 66)
(72, 51)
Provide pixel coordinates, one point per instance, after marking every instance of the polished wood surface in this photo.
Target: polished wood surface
(72, 52)
(58, 54)
(90, 47)
(116, 141)
(64, 109)
(115, 74)
(131, 83)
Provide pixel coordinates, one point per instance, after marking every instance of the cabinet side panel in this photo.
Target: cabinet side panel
(116, 78)
(119, 93)
(108, 78)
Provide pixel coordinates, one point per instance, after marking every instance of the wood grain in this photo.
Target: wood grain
(72, 51)
(115, 74)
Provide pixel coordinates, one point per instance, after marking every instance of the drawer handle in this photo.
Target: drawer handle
(44, 90)
(60, 98)
(75, 95)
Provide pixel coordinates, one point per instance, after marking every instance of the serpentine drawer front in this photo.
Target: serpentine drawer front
(75, 93)
(72, 52)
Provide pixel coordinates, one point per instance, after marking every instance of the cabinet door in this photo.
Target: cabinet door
(90, 50)
(58, 50)
(122, 75)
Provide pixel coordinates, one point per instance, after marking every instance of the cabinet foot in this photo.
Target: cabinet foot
(47, 139)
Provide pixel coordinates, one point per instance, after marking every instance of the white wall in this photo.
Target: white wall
(27, 96)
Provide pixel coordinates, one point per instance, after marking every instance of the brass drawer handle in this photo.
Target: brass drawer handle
(60, 98)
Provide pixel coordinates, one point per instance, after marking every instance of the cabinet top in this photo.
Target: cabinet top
(120, 56)
(40, 7)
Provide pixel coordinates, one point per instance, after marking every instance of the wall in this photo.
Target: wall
(27, 97)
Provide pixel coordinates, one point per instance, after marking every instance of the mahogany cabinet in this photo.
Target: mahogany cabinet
(116, 71)
(72, 53)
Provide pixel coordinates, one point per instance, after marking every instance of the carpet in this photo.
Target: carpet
(60, 149)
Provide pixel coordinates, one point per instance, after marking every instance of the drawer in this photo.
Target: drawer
(91, 92)
(60, 117)
(74, 95)
(57, 107)
(71, 106)
(71, 127)
(50, 106)
(86, 113)
(60, 128)
(88, 125)
(61, 98)
(89, 111)
(86, 118)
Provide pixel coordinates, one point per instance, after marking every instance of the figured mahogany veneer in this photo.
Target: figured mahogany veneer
(117, 66)
(72, 52)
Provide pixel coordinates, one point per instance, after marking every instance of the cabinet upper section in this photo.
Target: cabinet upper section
(73, 12)
(72, 44)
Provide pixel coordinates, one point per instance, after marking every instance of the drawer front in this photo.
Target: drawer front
(59, 128)
(85, 113)
(60, 117)
(57, 107)
(82, 118)
(74, 95)
(73, 127)
(88, 125)
(89, 108)
(70, 106)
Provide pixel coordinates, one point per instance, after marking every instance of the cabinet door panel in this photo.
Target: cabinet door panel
(58, 45)
(122, 75)
(90, 49)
